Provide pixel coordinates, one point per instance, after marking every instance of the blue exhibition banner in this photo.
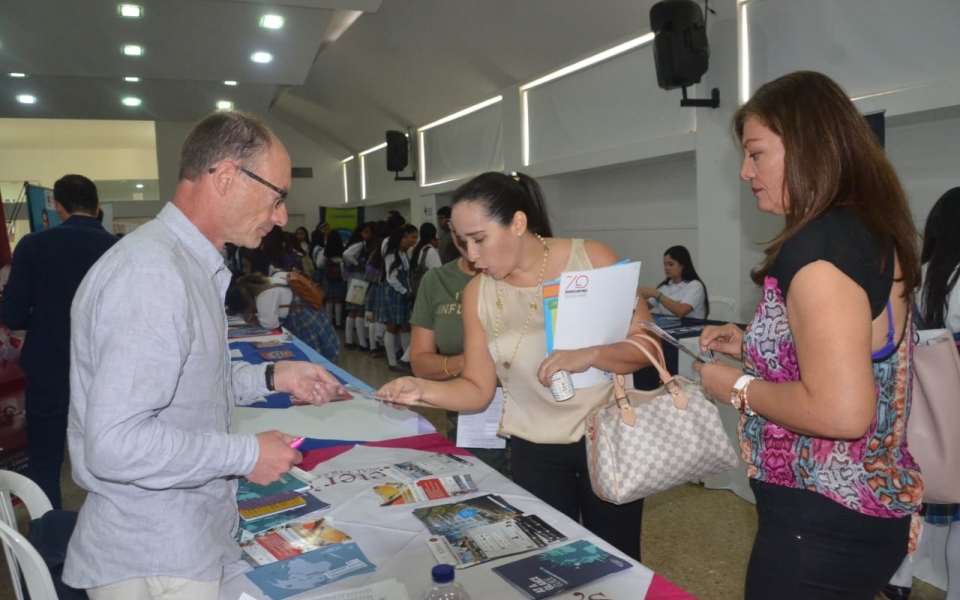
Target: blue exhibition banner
(41, 208)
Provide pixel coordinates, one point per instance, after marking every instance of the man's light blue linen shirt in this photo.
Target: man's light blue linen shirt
(152, 395)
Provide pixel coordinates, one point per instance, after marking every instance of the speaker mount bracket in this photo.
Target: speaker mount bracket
(712, 102)
(396, 177)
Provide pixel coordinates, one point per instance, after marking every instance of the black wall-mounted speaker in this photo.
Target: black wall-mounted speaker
(680, 48)
(397, 151)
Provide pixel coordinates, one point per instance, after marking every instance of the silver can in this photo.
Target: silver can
(561, 386)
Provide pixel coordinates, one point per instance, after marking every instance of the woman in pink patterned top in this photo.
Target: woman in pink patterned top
(828, 358)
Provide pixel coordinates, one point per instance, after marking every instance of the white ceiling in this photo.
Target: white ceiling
(344, 71)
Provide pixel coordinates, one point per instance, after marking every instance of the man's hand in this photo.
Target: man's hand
(276, 457)
(306, 381)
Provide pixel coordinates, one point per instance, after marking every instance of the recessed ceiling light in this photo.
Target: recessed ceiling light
(229, 82)
(18, 74)
(132, 50)
(131, 79)
(131, 101)
(224, 105)
(261, 57)
(139, 186)
(26, 99)
(131, 11)
(271, 22)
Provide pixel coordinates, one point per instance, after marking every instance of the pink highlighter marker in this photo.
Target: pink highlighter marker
(296, 443)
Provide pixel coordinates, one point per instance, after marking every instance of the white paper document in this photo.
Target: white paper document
(478, 429)
(390, 589)
(594, 308)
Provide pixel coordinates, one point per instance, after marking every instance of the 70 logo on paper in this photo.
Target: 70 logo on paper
(577, 283)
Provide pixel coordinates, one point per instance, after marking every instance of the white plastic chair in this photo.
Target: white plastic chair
(15, 547)
(723, 308)
(35, 572)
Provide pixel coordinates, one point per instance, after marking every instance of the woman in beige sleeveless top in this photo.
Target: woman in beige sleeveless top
(503, 220)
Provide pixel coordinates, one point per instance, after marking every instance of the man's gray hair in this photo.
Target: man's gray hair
(223, 135)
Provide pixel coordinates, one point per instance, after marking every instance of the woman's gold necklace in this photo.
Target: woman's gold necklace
(496, 325)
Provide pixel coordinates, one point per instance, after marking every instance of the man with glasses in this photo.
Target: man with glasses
(153, 387)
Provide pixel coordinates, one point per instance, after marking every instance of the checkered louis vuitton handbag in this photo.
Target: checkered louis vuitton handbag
(644, 442)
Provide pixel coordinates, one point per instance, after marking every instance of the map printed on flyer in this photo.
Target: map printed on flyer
(475, 530)
(286, 578)
(560, 569)
(435, 464)
(393, 493)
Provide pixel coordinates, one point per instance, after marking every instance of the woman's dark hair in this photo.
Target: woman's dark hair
(428, 233)
(291, 243)
(502, 196)
(941, 254)
(334, 247)
(272, 245)
(393, 243)
(259, 261)
(831, 159)
(357, 235)
(244, 291)
(687, 272)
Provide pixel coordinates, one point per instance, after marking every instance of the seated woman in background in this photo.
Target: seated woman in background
(682, 293)
(269, 301)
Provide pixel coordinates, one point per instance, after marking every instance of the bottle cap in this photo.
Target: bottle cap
(442, 573)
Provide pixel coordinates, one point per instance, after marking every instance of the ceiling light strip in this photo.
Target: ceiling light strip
(589, 61)
(462, 113)
(374, 149)
(363, 177)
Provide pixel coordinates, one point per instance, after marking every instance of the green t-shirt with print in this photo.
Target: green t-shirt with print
(438, 306)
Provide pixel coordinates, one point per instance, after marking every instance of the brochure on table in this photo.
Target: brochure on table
(593, 307)
(392, 538)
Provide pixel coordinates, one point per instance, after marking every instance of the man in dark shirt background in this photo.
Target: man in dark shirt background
(47, 269)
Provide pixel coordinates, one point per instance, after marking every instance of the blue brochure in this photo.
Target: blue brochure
(310, 570)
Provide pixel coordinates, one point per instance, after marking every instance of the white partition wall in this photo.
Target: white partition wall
(868, 46)
(463, 146)
(613, 103)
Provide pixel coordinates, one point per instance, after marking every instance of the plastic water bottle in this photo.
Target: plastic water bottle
(444, 587)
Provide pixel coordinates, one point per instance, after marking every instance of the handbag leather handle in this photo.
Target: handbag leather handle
(680, 399)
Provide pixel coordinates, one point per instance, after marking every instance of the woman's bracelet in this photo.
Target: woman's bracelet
(446, 359)
(660, 295)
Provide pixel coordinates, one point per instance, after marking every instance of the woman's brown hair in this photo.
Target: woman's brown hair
(831, 159)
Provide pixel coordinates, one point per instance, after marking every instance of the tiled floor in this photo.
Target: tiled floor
(700, 539)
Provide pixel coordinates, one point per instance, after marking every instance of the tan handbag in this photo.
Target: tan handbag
(932, 427)
(643, 442)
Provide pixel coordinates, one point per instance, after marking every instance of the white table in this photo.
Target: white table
(391, 537)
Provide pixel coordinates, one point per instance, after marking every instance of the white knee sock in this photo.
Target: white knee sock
(390, 343)
(372, 337)
(953, 562)
(361, 331)
(381, 331)
(405, 342)
(338, 309)
(348, 331)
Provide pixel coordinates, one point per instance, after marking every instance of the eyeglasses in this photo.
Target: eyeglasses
(255, 177)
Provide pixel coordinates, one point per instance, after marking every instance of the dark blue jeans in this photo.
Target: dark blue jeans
(47, 409)
(558, 475)
(809, 546)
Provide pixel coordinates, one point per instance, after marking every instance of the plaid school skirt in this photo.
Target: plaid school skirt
(942, 514)
(397, 307)
(373, 298)
(335, 290)
(313, 327)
